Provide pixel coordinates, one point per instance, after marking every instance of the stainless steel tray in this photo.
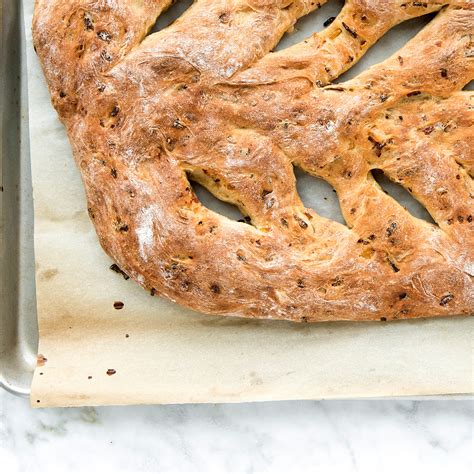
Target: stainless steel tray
(18, 326)
(18, 322)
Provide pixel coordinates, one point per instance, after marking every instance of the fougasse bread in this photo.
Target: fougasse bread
(206, 100)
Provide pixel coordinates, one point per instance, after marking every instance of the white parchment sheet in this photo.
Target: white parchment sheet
(159, 352)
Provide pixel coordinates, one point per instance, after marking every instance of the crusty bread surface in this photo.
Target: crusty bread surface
(207, 100)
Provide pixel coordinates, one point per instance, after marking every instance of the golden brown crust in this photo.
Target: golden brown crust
(203, 99)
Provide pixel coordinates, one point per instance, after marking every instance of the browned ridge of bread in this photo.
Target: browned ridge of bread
(206, 100)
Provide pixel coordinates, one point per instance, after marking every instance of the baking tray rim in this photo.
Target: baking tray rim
(19, 330)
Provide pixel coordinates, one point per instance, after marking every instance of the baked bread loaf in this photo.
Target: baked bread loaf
(205, 100)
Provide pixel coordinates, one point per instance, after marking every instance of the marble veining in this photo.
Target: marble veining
(326, 437)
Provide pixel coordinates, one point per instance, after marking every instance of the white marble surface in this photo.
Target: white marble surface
(326, 437)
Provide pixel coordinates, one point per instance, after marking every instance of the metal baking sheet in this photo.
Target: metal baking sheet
(18, 326)
(18, 330)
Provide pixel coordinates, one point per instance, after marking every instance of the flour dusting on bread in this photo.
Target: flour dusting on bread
(207, 100)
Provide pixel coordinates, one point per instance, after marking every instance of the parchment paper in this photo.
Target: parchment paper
(162, 353)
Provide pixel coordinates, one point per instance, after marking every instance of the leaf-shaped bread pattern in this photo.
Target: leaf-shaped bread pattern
(207, 100)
